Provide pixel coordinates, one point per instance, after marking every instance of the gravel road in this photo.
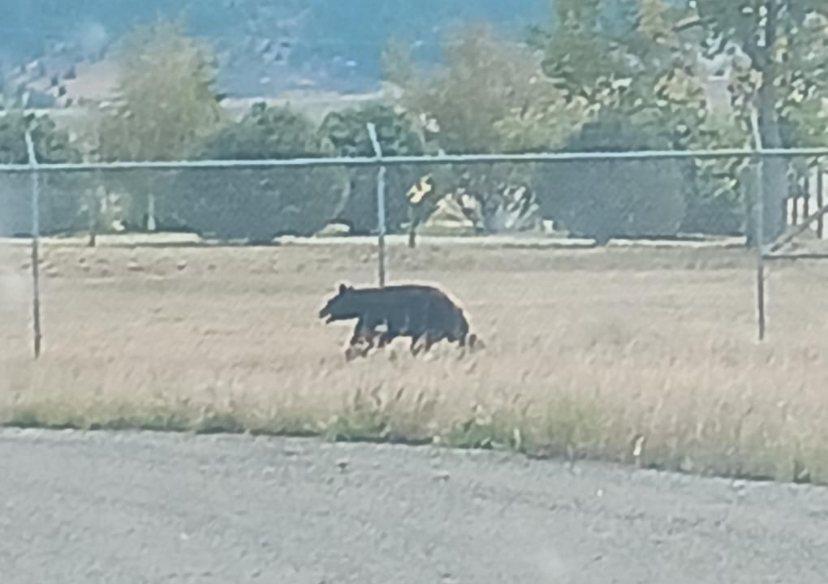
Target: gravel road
(130, 508)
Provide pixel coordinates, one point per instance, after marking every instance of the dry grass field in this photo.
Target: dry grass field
(646, 356)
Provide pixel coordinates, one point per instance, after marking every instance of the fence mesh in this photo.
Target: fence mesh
(140, 262)
(602, 199)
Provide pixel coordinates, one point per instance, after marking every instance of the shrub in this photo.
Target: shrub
(714, 199)
(715, 203)
(258, 204)
(606, 199)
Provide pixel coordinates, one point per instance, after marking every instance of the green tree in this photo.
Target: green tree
(489, 96)
(628, 59)
(258, 204)
(777, 52)
(166, 105)
(623, 56)
(51, 145)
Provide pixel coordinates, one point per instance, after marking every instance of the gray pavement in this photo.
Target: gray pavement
(131, 508)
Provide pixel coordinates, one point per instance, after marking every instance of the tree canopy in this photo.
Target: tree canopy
(166, 97)
(776, 52)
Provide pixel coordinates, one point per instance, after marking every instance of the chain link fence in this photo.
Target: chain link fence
(480, 225)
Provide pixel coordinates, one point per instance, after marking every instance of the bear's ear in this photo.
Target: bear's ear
(343, 288)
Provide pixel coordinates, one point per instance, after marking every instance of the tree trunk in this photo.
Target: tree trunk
(774, 170)
(95, 197)
(151, 212)
(412, 227)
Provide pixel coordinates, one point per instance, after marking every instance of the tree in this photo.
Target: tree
(166, 104)
(713, 190)
(777, 52)
(488, 96)
(628, 59)
(622, 55)
(258, 204)
(61, 208)
(347, 132)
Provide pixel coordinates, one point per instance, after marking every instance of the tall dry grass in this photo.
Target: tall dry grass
(645, 357)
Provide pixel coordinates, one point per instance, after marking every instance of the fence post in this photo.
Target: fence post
(35, 241)
(759, 221)
(820, 202)
(759, 209)
(372, 133)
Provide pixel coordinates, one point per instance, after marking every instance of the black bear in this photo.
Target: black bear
(415, 311)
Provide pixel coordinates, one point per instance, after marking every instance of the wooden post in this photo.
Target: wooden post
(372, 133)
(806, 193)
(35, 243)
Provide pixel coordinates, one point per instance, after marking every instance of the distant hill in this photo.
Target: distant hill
(264, 46)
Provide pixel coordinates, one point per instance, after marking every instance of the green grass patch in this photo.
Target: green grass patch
(564, 428)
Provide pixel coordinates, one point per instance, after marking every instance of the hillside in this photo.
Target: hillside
(264, 46)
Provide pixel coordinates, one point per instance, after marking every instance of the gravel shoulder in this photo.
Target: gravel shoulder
(134, 508)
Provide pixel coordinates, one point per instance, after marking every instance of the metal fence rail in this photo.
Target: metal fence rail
(374, 161)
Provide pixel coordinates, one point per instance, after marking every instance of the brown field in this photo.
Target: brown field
(626, 354)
